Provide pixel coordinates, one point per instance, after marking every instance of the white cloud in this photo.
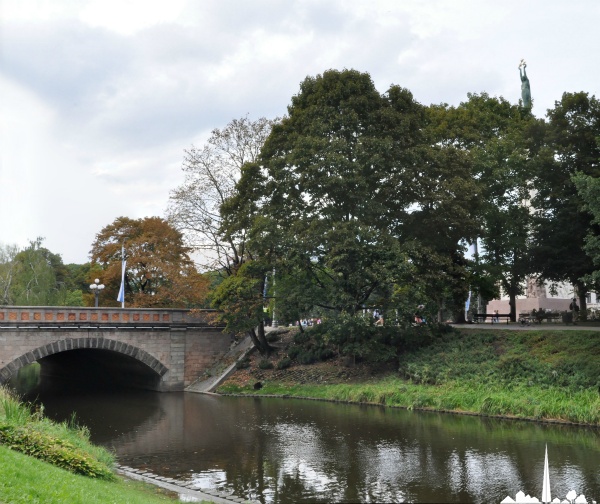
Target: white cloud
(127, 17)
(100, 98)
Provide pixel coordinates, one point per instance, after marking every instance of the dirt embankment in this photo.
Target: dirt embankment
(335, 370)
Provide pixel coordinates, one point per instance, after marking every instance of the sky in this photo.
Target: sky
(100, 98)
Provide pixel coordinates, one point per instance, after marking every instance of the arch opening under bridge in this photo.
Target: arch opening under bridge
(92, 362)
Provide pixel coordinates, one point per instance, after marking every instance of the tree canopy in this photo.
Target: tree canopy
(159, 273)
(35, 276)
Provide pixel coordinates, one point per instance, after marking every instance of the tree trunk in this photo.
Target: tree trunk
(512, 302)
(257, 344)
(263, 339)
(582, 293)
(440, 310)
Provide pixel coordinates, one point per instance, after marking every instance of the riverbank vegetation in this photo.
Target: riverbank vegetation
(540, 375)
(55, 463)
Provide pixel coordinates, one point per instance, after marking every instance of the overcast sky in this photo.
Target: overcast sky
(99, 98)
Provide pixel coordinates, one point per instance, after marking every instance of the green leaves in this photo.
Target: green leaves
(53, 450)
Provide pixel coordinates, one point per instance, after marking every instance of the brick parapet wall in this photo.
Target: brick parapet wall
(57, 315)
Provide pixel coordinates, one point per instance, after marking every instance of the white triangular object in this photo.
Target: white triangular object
(546, 497)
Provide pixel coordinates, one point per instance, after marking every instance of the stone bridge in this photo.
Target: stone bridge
(157, 349)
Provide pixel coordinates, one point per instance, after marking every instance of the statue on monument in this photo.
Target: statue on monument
(525, 89)
(535, 288)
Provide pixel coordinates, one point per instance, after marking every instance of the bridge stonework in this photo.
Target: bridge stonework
(176, 345)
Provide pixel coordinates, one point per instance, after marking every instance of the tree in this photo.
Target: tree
(561, 224)
(498, 138)
(357, 187)
(195, 208)
(159, 271)
(588, 189)
(38, 277)
(335, 187)
(211, 173)
(7, 272)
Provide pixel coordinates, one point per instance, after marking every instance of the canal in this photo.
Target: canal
(290, 450)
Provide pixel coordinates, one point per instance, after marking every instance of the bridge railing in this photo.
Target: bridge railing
(61, 316)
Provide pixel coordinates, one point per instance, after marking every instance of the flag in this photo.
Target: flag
(121, 296)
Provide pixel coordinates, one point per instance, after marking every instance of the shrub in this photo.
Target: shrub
(325, 353)
(53, 450)
(265, 364)
(294, 351)
(284, 363)
(301, 338)
(306, 357)
(243, 364)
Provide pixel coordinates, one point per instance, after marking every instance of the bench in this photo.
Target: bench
(481, 317)
(539, 317)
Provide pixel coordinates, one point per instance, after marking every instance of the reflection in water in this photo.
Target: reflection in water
(276, 450)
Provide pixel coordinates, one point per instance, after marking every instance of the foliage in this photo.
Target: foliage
(588, 188)
(64, 445)
(329, 182)
(215, 215)
(265, 364)
(243, 363)
(159, 270)
(52, 450)
(284, 363)
(34, 276)
(498, 137)
(211, 173)
(535, 374)
(569, 146)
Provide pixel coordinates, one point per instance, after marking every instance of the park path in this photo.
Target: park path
(515, 326)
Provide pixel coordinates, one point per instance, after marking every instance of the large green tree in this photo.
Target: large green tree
(562, 224)
(335, 185)
(499, 139)
(354, 188)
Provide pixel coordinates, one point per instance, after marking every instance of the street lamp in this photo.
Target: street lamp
(96, 288)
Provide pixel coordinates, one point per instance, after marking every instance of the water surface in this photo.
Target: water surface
(290, 450)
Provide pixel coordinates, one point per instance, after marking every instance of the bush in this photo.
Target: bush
(325, 353)
(265, 364)
(53, 450)
(306, 357)
(294, 351)
(243, 364)
(284, 363)
(301, 338)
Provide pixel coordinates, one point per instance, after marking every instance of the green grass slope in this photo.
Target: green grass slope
(541, 375)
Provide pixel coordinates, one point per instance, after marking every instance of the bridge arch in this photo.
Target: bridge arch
(97, 343)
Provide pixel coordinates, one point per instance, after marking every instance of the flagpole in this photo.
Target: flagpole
(121, 296)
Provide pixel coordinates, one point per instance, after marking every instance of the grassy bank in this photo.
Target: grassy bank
(552, 376)
(28, 480)
(46, 462)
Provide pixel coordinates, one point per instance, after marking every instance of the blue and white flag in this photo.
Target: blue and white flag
(121, 296)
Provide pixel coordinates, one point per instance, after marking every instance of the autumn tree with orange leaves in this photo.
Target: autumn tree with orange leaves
(159, 273)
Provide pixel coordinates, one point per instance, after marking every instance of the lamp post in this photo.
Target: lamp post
(96, 288)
